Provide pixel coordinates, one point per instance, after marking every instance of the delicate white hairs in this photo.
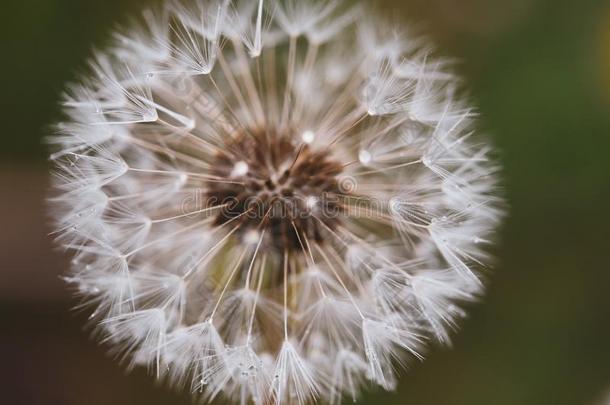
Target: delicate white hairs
(272, 201)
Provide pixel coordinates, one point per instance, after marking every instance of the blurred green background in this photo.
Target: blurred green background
(540, 72)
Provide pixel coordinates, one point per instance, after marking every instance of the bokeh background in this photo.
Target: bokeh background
(540, 72)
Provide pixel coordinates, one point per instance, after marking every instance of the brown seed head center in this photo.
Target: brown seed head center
(286, 189)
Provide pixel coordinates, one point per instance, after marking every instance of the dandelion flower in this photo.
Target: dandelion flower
(272, 201)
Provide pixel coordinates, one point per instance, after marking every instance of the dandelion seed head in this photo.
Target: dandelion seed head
(269, 202)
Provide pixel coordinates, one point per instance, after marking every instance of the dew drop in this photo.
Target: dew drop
(308, 136)
(365, 157)
(240, 169)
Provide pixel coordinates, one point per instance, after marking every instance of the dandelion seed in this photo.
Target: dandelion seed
(272, 201)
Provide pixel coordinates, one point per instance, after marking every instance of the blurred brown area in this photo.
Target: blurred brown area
(538, 69)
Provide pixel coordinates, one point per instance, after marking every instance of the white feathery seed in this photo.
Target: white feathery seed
(272, 201)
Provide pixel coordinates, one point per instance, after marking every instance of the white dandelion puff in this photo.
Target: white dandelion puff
(138, 336)
(272, 201)
(349, 373)
(293, 377)
(384, 346)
